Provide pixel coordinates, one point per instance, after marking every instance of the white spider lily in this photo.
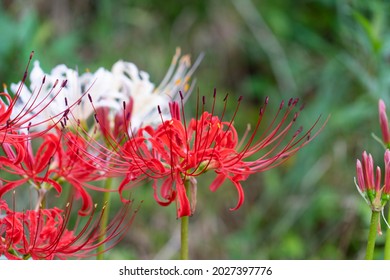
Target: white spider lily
(61, 88)
(64, 87)
(145, 97)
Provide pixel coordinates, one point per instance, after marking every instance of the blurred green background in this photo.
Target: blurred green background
(334, 55)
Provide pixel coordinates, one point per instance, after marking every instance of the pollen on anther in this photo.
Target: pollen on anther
(64, 82)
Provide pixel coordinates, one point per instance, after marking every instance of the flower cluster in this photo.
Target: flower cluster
(46, 233)
(108, 89)
(369, 178)
(69, 136)
(369, 181)
(46, 155)
(173, 154)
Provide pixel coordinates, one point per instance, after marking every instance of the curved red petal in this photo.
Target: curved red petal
(240, 195)
(10, 186)
(169, 195)
(85, 197)
(184, 207)
(121, 188)
(218, 181)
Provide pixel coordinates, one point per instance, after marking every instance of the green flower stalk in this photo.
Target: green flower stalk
(372, 235)
(184, 229)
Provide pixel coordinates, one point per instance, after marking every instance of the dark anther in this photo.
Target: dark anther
(66, 112)
(261, 111)
(226, 97)
(295, 117)
(298, 131)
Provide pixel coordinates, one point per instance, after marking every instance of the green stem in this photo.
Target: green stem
(184, 238)
(184, 233)
(104, 220)
(387, 241)
(372, 235)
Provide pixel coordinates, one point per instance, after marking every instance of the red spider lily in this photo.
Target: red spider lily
(175, 153)
(47, 234)
(56, 160)
(369, 181)
(20, 160)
